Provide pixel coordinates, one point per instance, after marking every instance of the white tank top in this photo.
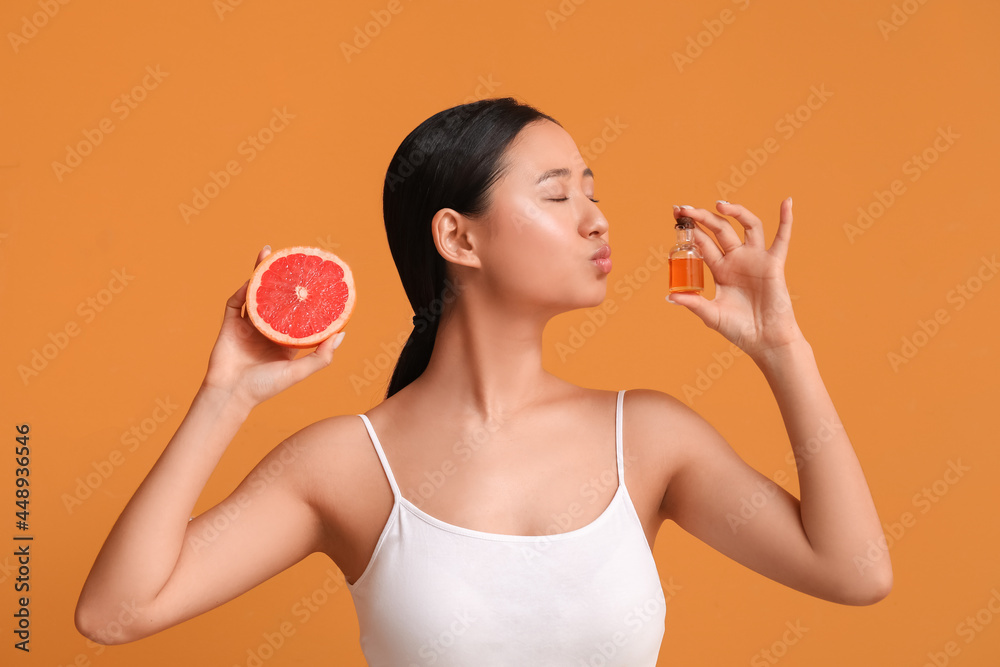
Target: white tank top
(438, 594)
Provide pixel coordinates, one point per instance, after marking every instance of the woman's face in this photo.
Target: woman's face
(544, 228)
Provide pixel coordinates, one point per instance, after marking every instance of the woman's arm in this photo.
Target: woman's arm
(821, 543)
(838, 513)
(157, 568)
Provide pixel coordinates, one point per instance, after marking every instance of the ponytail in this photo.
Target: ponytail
(415, 356)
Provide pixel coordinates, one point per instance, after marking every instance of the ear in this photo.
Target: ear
(456, 237)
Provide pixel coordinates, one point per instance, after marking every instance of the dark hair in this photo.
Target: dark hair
(451, 160)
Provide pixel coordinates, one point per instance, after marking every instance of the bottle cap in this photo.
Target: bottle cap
(684, 222)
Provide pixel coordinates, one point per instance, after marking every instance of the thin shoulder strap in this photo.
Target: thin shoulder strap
(381, 456)
(618, 438)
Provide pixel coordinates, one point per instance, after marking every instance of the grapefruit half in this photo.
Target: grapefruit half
(300, 296)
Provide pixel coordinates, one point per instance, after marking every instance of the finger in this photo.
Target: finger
(779, 247)
(264, 252)
(238, 299)
(316, 360)
(707, 246)
(705, 309)
(722, 228)
(753, 228)
(705, 243)
(236, 308)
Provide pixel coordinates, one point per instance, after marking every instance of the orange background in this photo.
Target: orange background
(681, 129)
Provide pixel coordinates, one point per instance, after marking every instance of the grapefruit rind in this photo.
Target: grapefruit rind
(284, 339)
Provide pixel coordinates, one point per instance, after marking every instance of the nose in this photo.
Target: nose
(593, 223)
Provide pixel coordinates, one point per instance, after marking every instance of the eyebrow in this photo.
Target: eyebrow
(562, 172)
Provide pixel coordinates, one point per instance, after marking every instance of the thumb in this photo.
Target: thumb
(236, 302)
(697, 304)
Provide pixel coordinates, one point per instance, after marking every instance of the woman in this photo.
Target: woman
(488, 512)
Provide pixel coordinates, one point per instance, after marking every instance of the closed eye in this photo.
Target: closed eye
(566, 198)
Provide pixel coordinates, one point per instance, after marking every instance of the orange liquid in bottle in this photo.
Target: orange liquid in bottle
(687, 274)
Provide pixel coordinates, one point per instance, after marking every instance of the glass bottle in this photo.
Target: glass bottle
(687, 272)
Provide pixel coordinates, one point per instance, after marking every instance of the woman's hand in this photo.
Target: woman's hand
(752, 307)
(250, 367)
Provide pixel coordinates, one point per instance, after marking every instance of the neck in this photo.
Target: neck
(486, 360)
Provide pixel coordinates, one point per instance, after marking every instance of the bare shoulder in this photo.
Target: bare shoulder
(338, 437)
(651, 410)
(664, 432)
(338, 469)
(332, 450)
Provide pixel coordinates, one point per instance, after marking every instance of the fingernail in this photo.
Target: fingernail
(686, 206)
(669, 300)
(789, 201)
(676, 208)
(721, 201)
(338, 339)
(267, 248)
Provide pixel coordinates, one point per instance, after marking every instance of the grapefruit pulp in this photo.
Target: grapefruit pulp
(300, 296)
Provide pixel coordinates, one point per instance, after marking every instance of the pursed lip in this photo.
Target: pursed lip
(604, 252)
